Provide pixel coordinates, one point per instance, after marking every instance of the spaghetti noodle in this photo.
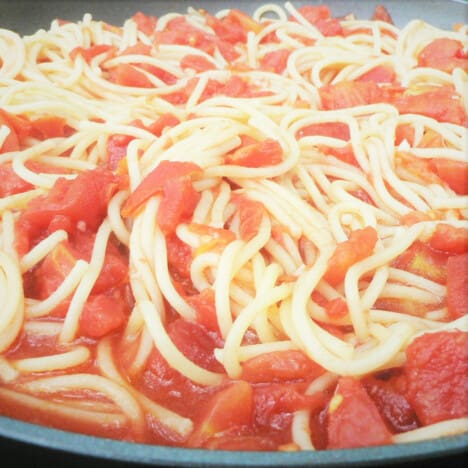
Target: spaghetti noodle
(235, 232)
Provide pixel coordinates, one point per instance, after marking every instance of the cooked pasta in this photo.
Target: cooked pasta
(235, 232)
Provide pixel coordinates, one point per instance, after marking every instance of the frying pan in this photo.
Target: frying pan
(27, 16)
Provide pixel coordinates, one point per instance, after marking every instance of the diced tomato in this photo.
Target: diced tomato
(275, 403)
(20, 125)
(11, 142)
(436, 369)
(414, 217)
(275, 60)
(392, 403)
(229, 408)
(444, 54)
(379, 74)
(353, 418)
(11, 183)
(320, 17)
(442, 104)
(127, 75)
(420, 168)
(241, 443)
(330, 129)
(49, 127)
(196, 343)
(145, 23)
(179, 257)
(350, 94)
(235, 87)
(102, 315)
(139, 48)
(360, 245)
(83, 199)
(336, 308)
(431, 139)
(345, 153)
(251, 213)
(381, 14)
(205, 309)
(164, 121)
(404, 132)
(172, 179)
(453, 173)
(457, 286)
(88, 53)
(264, 153)
(280, 366)
(422, 260)
(448, 238)
(197, 63)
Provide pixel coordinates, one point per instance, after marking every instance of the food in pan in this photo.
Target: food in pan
(235, 232)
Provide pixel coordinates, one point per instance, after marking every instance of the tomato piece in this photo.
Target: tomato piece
(336, 308)
(275, 61)
(69, 202)
(353, 418)
(329, 129)
(444, 54)
(11, 142)
(442, 104)
(392, 404)
(11, 183)
(162, 180)
(422, 260)
(137, 49)
(101, 316)
(127, 75)
(229, 408)
(88, 53)
(241, 442)
(196, 343)
(264, 153)
(275, 403)
(404, 132)
(49, 127)
(350, 94)
(20, 125)
(414, 217)
(448, 238)
(381, 14)
(280, 366)
(250, 215)
(457, 286)
(320, 17)
(205, 308)
(196, 62)
(360, 245)
(379, 74)
(345, 153)
(436, 369)
(453, 173)
(167, 120)
(145, 23)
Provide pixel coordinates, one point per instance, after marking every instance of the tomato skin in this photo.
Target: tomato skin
(457, 286)
(83, 199)
(360, 245)
(453, 173)
(436, 369)
(280, 366)
(444, 54)
(264, 153)
(392, 404)
(356, 421)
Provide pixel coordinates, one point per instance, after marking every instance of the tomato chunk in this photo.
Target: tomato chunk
(49, 127)
(353, 418)
(457, 286)
(453, 173)
(264, 153)
(172, 179)
(275, 60)
(329, 129)
(450, 239)
(320, 17)
(196, 62)
(350, 94)
(145, 23)
(250, 214)
(69, 202)
(381, 14)
(280, 366)
(12, 183)
(379, 74)
(204, 305)
(11, 142)
(436, 369)
(360, 245)
(89, 53)
(444, 54)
